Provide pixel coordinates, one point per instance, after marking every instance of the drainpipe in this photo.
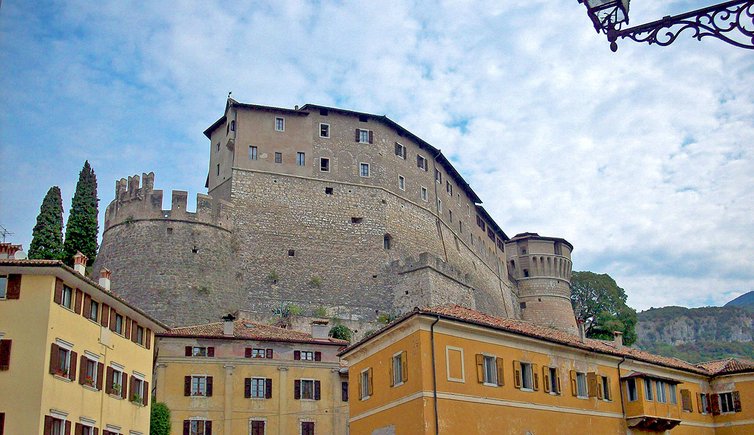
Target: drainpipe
(434, 373)
(620, 389)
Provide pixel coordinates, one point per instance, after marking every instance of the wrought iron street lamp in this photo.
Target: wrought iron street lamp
(731, 22)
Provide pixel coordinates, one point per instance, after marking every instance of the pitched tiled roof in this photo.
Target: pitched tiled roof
(467, 315)
(246, 329)
(727, 366)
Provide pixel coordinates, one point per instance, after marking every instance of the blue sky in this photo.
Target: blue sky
(641, 158)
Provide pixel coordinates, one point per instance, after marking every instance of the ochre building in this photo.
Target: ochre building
(245, 378)
(74, 357)
(458, 371)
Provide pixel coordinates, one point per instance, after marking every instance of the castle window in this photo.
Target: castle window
(449, 188)
(232, 125)
(301, 159)
(217, 147)
(526, 273)
(217, 172)
(558, 249)
(328, 190)
(364, 136)
(421, 162)
(401, 182)
(438, 176)
(491, 234)
(324, 130)
(450, 215)
(323, 112)
(460, 227)
(279, 123)
(291, 253)
(480, 222)
(363, 169)
(324, 164)
(424, 193)
(253, 152)
(400, 150)
(439, 206)
(278, 157)
(387, 241)
(357, 220)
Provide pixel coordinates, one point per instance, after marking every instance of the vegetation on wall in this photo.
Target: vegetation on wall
(47, 236)
(159, 422)
(601, 305)
(341, 332)
(82, 227)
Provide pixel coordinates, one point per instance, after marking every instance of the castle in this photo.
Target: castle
(340, 213)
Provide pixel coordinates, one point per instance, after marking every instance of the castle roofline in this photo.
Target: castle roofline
(234, 103)
(463, 315)
(535, 236)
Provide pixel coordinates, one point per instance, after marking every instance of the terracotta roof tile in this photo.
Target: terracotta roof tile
(728, 365)
(246, 329)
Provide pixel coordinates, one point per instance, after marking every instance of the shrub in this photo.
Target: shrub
(341, 332)
(159, 422)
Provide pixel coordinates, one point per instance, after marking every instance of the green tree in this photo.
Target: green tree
(159, 422)
(601, 305)
(82, 227)
(47, 236)
(341, 332)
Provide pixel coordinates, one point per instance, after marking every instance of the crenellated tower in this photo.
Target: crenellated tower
(541, 267)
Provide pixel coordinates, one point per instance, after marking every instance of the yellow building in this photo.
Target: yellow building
(74, 357)
(458, 371)
(242, 377)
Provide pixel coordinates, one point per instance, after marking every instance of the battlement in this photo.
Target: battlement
(137, 201)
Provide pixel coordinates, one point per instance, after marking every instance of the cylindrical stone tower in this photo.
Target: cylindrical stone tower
(542, 268)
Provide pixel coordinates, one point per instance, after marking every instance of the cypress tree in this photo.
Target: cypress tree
(82, 227)
(47, 236)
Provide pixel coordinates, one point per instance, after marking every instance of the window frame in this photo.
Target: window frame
(661, 392)
(66, 298)
(3, 287)
(253, 152)
(279, 123)
(363, 135)
(401, 182)
(364, 385)
(94, 310)
(648, 391)
(327, 166)
(278, 157)
(310, 427)
(581, 381)
(527, 370)
(421, 162)
(117, 384)
(362, 165)
(490, 370)
(90, 371)
(424, 194)
(253, 420)
(400, 150)
(195, 422)
(397, 369)
(196, 386)
(326, 127)
(725, 400)
(309, 382)
(300, 158)
(263, 387)
(554, 375)
(704, 398)
(139, 383)
(119, 324)
(632, 390)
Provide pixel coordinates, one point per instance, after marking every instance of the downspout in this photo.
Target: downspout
(434, 373)
(620, 388)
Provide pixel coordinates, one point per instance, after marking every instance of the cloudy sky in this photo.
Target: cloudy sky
(643, 158)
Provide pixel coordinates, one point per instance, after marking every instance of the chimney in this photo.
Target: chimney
(104, 278)
(228, 325)
(8, 250)
(582, 333)
(320, 329)
(79, 263)
(618, 339)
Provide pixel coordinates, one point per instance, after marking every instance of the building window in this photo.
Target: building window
(140, 335)
(344, 391)
(365, 384)
(61, 358)
(258, 388)
(439, 206)
(424, 194)
(632, 394)
(307, 428)
(450, 215)
(253, 152)
(328, 191)
(137, 391)
(703, 403)
(200, 351)
(553, 380)
(605, 386)
(324, 130)
(364, 136)
(449, 188)
(257, 427)
(648, 393)
(489, 369)
(364, 169)
(306, 355)
(400, 150)
(672, 394)
(278, 157)
(387, 241)
(198, 386)
(197, 427)
(399, 370)
(527, 377)
(5, 347)
(581, 387)
(480, 222)
(661, 396)
(728, 402)
(116, 382)
(90, 373)
(401, 182)
(258, 353)
(308, 389)
(3, 286)
(421, 162)
(438, 176)
(217, 170)
(217, 146)
(67, 298)
(301, 159)
(56, 425)
(279, 123)
(84, 430)
(324, 164)
(118, 324)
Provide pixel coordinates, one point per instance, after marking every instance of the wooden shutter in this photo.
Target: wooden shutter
(78, 301)
(268, 353)
(14, 286)
(124, 385)
(82, 370)
(686, 400)
(608, 388)
(736, 401)
(297, 355)
(344, 391)
(600, 388)
(208, 427)
(78, 429)
(500, 371)
(317, 390)
(592, 385)
(268, 388)
(361, 388)
(557, 378)
(135, 332)
(87, 312)
(54, 357)
(546, 378)
(371, 136)
(370, 385)
(391, 370)
(48, 425)
(714, 403)
(148, 338)
(247, 388)
(145, 396)
(209, 386)
(404, 366)
(68, 427)
(132, 387)
(574, 387)
(113, 313)
(186, 427)
(357, 135)
(480, 368)
(127, 330)
(105, 316)
(517, 374)
(95, 430)
(187, 385)
(5, 354)
(535, 377)
(188, 351)
(247, 352)
(72, 368)
(297, 389)
(109, 381)
(211, 352)
(317, 356)
(58, 296)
